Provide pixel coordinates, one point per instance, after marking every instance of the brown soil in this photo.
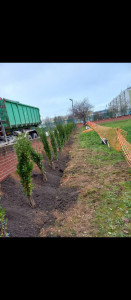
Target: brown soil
(50, 197)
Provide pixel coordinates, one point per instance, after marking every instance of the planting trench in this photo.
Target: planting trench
(50, 198)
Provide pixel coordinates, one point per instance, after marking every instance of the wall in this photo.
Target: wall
(79, 125)
(8, 158)
(120, 118)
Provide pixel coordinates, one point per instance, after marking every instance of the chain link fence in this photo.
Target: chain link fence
(106, 115)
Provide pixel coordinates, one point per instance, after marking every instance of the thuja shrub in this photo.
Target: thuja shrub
(46, 146)
(3, 222)
(71, 126)
(68, 128)
(57, 137)
(53, 143)
(67, 131)
(25, 166)
(61, 131)
(37, 159)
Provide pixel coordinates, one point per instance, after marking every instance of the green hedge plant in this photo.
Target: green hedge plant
(3, 222)
(62, 135)
(53, 143)
(37, 159)
(58, 140)
(46, 146)
(25, 166)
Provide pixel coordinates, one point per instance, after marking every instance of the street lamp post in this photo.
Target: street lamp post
(73, 111)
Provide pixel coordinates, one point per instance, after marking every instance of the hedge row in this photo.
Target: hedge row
(26, 155)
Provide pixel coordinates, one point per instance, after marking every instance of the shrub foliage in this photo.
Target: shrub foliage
(25, 166)
(53, 143)
(62, 135)
(26, 155)
(46, 146)
(3, 222)
(57, 137)
(37, 159)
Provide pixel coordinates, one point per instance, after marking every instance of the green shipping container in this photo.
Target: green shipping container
(17, 115)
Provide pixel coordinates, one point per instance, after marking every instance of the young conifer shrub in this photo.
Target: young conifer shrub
(3, 222)
(70, 127)
(57, 137)
(53, 143)
(61, 130)
(37, 159)
(25, 166)
(46, 146)
(67, 133)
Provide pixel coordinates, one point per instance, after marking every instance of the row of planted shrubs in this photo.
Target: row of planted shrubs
(27, 156)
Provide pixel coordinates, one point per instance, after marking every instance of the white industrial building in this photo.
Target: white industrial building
(123, 99)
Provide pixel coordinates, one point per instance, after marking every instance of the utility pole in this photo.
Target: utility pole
(73, 111)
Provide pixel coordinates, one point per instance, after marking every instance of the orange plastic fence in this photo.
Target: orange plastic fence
(107, 132)
(126, 147)
(115, 137)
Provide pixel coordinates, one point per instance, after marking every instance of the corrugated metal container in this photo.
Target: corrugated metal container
(14, 114)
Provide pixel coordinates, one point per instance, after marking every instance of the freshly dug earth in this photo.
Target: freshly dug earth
(50, 199)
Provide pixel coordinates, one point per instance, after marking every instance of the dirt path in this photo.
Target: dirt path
(76, 221)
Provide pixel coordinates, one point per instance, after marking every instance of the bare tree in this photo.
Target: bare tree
(59, 119)
(113, 107)
(48, 123)
(47, 120)
(70, 116)
(124, 104)
(97, 116)
(82, 109)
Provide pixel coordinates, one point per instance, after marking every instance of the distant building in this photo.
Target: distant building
(101, 112)
(122, 102)
(98, 115)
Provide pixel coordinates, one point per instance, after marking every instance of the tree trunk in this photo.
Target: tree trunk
(31, 201)
(84, 120)
(52, 165)
(44, 175)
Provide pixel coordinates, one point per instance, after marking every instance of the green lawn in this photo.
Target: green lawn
(102, 155)
(125, 125)
(112, 214)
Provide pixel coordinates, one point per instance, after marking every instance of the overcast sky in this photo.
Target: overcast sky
(50, 85)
